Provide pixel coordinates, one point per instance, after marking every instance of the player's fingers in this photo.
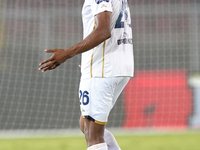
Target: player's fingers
(56, 65)
(46, 61)
(50, 64)
(46, 69)
(50, 67)
(50, 50)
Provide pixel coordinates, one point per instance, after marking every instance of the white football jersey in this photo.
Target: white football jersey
(113, 57)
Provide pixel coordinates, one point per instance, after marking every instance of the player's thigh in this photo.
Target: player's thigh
(81, 123)
(122, 82)
(96, 95)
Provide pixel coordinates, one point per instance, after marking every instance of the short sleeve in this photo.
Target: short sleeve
(99, 6)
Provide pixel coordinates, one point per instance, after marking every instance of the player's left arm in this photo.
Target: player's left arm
(101, 32)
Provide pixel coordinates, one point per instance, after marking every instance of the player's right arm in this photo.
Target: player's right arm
(101, 32)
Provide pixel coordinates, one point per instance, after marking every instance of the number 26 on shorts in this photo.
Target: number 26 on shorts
(84, 97)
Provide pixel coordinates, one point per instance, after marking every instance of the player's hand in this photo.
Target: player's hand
(59, 57)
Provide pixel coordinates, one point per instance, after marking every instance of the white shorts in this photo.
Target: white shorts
(98, 96)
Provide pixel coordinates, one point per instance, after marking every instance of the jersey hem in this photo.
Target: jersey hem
(86, 77)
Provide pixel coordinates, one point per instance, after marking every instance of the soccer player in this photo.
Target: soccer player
(106, 66)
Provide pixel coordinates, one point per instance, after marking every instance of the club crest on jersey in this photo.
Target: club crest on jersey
(100, 1)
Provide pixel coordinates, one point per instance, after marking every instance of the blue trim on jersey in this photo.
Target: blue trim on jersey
(100, 1)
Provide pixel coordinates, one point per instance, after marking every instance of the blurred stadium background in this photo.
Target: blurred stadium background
(165, 92)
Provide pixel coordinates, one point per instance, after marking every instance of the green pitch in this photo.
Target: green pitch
(129, 142)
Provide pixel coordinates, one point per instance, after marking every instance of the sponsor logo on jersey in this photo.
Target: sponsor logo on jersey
(100, 1)
(124, 41)
(125, 35)
(103, 6)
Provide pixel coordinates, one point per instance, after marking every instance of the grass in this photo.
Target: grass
(186, 141)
